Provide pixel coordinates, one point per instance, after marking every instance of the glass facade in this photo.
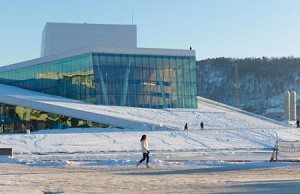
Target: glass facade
(145, 81)
(114, 79)
(70, 77)
(16, 119)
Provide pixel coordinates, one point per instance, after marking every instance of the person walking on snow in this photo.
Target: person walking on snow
(145, 150)
(298, 123)
(185, 127)
(201, 125)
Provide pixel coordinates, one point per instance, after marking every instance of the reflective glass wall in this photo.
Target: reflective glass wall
(16, 119)
(71, 77)
(145, 81)
(114, 79)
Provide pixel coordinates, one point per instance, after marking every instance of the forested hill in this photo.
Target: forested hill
(253, 84)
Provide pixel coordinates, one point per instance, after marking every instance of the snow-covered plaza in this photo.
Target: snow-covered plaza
(232, 152)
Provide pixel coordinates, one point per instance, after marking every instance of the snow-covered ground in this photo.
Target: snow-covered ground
(226, 129)
(116, 140)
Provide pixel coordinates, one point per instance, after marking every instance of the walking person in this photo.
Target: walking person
(201, 125)
(298, 123)
(145, 150)
(185, 127)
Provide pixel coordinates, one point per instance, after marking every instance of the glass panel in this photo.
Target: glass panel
(17, 119)
(70, 78)
(114, 79)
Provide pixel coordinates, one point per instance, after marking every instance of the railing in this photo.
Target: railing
(286, 151)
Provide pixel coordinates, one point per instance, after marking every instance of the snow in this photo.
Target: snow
(7, 160)
(225, 129)
(155, 163)
(132, 162)
(116, 140)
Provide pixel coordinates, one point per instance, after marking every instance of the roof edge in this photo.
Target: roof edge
(107, 50)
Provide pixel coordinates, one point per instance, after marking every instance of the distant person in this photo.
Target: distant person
(298, 123)
(145, 151)
(185, 127)
(190, 48)
(201, 125)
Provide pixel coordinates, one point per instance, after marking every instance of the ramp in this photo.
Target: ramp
(110, 115)
(214, 117)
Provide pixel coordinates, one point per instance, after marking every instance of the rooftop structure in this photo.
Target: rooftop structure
(62, 37)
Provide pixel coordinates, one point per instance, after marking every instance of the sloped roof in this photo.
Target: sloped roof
(213, 116)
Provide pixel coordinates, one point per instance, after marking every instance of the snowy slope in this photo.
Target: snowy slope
(114, 140)
(225, 128)
(214, 117)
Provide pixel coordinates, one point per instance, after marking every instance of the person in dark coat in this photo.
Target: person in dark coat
(186, 127)
(201, 125)
(298, 123)
(145, 151)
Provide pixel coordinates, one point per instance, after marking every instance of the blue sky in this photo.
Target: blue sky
(214, 28)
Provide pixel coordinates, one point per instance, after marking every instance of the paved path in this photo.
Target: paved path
(239, 178)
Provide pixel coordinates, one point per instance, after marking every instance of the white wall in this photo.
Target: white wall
(62, 37)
